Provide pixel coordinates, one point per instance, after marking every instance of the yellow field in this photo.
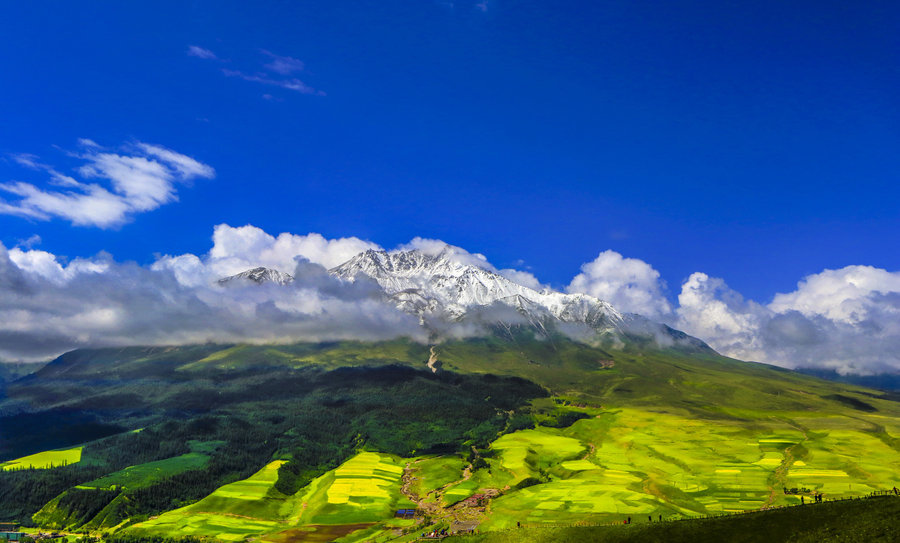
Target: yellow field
(363, 489)
(44, 460)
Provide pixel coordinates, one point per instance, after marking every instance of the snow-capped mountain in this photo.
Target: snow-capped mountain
(443, 284)
(259, 276)
(451, 288)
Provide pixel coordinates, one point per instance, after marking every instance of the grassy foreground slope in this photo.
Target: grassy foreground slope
(362, 491)
(855, 521)
(248, 507)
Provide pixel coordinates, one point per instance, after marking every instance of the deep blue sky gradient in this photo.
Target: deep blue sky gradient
(754, 141)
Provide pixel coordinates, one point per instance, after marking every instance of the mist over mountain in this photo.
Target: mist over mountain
(255, 287)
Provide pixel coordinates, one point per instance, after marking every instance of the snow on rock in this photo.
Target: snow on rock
(259, 276)
(426, 284)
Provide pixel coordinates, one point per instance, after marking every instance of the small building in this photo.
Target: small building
(12, 536)
(405, 513)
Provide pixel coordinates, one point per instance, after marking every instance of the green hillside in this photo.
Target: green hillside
(853, 521)
(321, 441)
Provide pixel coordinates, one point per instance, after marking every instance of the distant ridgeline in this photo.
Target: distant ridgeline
(333, 439)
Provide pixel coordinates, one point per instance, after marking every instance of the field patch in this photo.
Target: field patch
(44, 460)
(363, 489)
(525, 452)
(248, 507)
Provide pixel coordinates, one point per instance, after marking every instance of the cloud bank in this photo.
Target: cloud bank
(116, 185)
(47, 307)
(846, 319)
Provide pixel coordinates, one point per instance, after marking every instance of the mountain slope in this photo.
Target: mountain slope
(259, 276)
(456, 287)
(445, 287)
(660, 431)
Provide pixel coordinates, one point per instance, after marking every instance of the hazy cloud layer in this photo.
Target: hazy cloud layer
(47, 308)
(846, 319)
(115, 185)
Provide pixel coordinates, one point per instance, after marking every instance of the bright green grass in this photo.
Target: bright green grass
(523, 453)
(434, 473)
(831, 522)
(653, 462)
(145, 474)
(365, 489)
(248, 507)
(44, 460)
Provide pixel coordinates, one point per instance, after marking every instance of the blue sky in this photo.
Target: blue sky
(755, 142)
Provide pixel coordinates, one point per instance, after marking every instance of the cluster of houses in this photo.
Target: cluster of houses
(9, 533)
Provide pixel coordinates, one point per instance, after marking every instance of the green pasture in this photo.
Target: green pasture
(248, 507)
(44, 460)
(434, 473)
(146, 474)
(525, 452)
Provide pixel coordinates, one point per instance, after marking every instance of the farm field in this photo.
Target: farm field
(44, 460)
(364, 489)
(360, 492)
(231, 513)
(634, 462)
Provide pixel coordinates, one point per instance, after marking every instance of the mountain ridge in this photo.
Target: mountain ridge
(446, 288)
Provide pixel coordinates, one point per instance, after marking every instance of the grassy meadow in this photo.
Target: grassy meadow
(148, 473)
(44, 460)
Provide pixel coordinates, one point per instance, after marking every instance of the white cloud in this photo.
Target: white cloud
(48, 307)
(141, 180)
(46, 265)
(847, 320)
(277, 71)
(283, 65)
(237, 249)
(629, 284)
(523, 278)
(843, 295)
(200, 52)
(292, 84)
(710, 310)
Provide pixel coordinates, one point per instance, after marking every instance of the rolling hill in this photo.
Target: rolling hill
(509, 428)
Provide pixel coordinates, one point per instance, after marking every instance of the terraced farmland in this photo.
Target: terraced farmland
(231, 513)
(362, 491)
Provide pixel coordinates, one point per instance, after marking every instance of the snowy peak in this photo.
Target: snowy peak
(259, 276)
(455, 285)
